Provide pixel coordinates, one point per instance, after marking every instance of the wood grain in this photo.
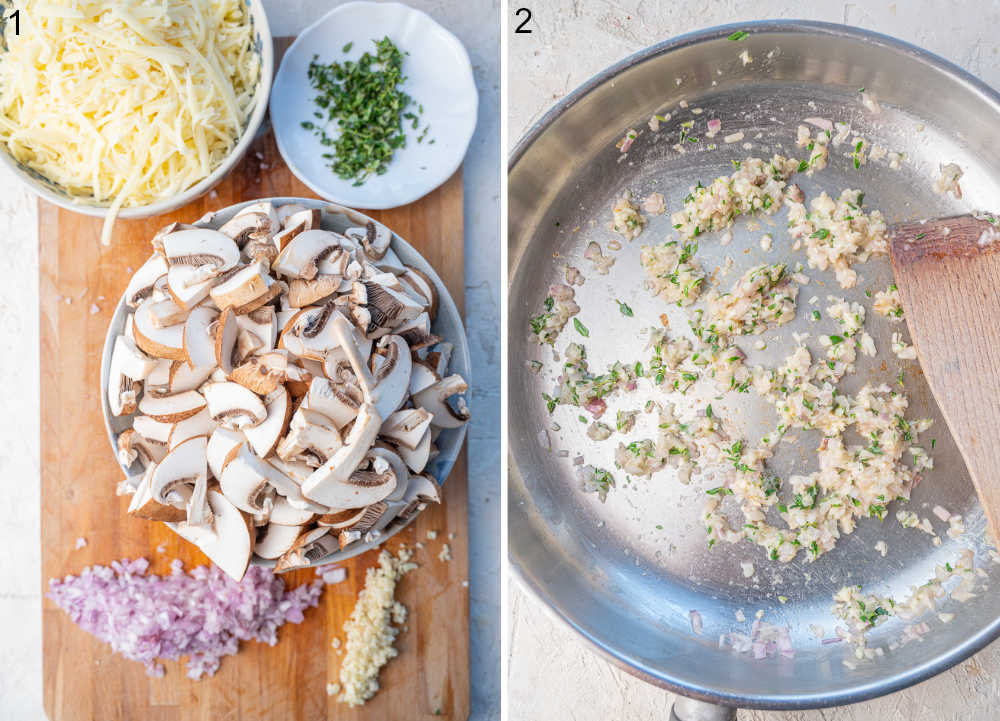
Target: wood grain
(949, 283)
(82, 678)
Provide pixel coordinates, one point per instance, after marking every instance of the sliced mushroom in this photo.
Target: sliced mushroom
(175, 476)
(152, 429)
(123, 391)
(220, 446)
(300, 257)
(188, 286)
(255, 219)
(310, 547)
(422, 376)
(140, 285)
(199, 338)
(244, 484)
(229, 542)
(390, 263)
(209, 251)
(234, 406)
(388, 390)
(416, 459)
(263, 323)
(226, 331)
(264, 438)
(132, 446)
(385, 307)
(331, 484)
(200, 424)
(172, 408)
(158, 380)
(286, 514)
(312, 438)
(243, 287)
(417, 332)
(421, 283)
(294, 226)
(340, 402)
(262, 374)
(302, 293)
(185, 378)
(310, 333)
(275, 290)
(159, 342)
(129, 360)
(440, 357)
(275, 540)
(374, 238)
(398, 467)
(406, 427)
(289, 213)
(143, 505)
(335, 264)
(435, 399)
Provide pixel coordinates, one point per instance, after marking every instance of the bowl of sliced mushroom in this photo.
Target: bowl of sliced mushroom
(283, 384)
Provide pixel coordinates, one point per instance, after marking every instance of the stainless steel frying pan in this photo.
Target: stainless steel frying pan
(626, 573)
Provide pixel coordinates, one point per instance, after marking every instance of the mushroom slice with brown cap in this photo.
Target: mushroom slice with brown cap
(264, 437)
(221, 443)
(388, 390)
(244, 484)
(130, 360)
(198, 339)
(423, 490)
(440, 357)
(302, 293)
(263, 323)
(226, 332)
(335, 264)
(262, 373)
(398, 468)
(300, 257)
(255, 219)
(200, 424)
(295, 225)
(246, 345)
(185, 378)
(435, 399)
(229, 542)
(331, 483)
(340, 402)
(132, 447)
(286, 514)
(234, 406)
(123, 391)
(390, 263)
(416, 459)
(210, 251)
(374, 238)
(140, 285)
(406, 427)
(417, 332)
(158, 342)
(275, 540)
(312, 438)
(188, 286)
(176, 475)
(289, 213)
(422, 376)
(157, 241)
(386, 307)
(242, 287)
(310, 547)
(143, 505)
(158, 380)
(274, 290)
(151, 429)
(421, 283)
(172, 408)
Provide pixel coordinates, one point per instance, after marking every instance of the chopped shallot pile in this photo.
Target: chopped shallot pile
(202, 614)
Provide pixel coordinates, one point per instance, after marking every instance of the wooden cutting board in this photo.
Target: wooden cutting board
(80, 283)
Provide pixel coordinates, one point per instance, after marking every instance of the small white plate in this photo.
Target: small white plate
(438, 76)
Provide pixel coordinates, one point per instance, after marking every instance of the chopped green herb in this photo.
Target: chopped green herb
(738, 35)
(624, 308)
(581, 328)
(708, 411)
(347, 48)
(836, 339)
(721, 490)
(822, 234)
(921, 235)
(816, 315)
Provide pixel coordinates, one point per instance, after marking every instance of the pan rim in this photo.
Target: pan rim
(847, 694)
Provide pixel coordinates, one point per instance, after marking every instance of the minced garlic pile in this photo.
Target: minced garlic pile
(370, 631)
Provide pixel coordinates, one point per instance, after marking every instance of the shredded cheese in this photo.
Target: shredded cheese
(126, 103)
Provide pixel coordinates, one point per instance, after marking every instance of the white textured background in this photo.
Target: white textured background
(476, 23)
(552, 673)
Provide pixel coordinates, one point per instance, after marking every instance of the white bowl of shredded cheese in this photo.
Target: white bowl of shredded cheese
(131, 109)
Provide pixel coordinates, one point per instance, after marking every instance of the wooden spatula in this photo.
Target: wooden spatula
(948, 274)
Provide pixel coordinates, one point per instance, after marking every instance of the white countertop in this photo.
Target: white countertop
(553, 674)
(476, 23)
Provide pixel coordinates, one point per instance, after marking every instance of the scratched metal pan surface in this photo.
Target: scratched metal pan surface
(626, 573)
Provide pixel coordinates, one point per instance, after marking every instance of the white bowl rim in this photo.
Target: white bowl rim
(466, 69)
(446, 304)
(208, 182)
